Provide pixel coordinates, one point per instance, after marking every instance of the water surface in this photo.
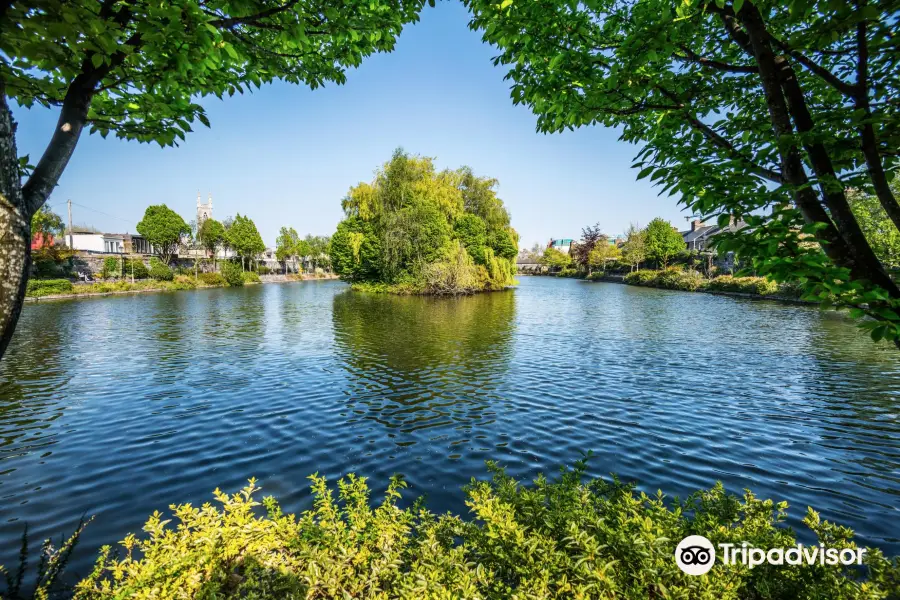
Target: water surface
(121, 406)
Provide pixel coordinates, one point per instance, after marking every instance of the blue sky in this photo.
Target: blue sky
(286, 155)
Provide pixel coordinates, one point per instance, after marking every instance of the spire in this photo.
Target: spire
(210, 200)
(198, 198)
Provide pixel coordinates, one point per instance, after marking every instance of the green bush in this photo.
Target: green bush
(250, 277)
(568, 272)
(214, 279)
(111, 266)
(48, 287)
(596, 276)
(160, 272)
(137, 268)
(232, 274)
(676, 279)
(264, 270)
(641, 277)
(563, 538)
(746, 285)
(184, 282)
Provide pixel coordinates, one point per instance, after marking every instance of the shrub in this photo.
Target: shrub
(250, 277)
(232, 274)
(160, 272)
(184, 282)
(676, 279)
(746, 285)
(137, 267)
(596, 276)
(563, 538)
(568, 272)
(264, 270)
(641, 277)
(110, 267)
(214, 279)
(48, 287)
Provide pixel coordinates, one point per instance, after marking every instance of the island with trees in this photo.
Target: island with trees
(416, 230)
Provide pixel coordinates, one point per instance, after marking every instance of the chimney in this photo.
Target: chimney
(696, 224)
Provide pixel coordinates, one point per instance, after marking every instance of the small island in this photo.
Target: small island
(415, 230)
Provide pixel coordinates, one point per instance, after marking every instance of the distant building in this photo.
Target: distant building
(204, 211)
(700, 235)
(563, 245)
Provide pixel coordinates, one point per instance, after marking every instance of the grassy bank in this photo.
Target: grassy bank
(43, 288)
(692, 281)
(570, 537)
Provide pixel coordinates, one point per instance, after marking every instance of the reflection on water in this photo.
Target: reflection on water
(120, 406)
(419, 363)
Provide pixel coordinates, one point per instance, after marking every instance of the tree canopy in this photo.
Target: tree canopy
(760, 110)
(244, 238)
(419, 230)
(662, 241)
(164, 229)
(211, 235)
(139, 69)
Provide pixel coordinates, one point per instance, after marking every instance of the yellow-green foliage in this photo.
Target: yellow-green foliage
(212, 279)
(747, 285)
(48, 287)
(251, 277)
(407, 230)
(569, 538)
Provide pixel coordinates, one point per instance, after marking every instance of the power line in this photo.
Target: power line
(129, 221)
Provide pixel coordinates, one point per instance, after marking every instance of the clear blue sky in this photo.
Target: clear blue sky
(286, 155)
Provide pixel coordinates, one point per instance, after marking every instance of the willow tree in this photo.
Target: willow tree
(763, 110)
(136, 68)
(418, 230)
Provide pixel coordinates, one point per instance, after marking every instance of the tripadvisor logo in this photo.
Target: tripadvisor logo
(695, 555)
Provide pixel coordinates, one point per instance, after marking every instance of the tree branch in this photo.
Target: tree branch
(691, 57)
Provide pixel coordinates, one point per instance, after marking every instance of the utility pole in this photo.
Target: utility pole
(71, 243)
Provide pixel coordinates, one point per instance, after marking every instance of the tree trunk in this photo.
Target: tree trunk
(15, 229)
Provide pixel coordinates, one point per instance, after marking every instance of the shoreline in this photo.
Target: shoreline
(620, 279)
(263, 280)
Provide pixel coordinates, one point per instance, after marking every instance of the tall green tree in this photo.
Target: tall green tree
(762, 110)
(634, 250)
(555, 259)
(164, 229)
(137, 68)
(212, 236)
(662, 241)
(244, 238)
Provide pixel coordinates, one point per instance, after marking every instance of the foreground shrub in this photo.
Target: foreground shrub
(568, 538)
(596, 276)
(264, 270)
(48, 287)
(232, 274)
(213, 279)
(161, 272)
(745, 285)
(250, 277)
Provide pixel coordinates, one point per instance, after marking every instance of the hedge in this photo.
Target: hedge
(161, 272)
(48, 287)
(567, 537)
(251, 277)
(746, 285)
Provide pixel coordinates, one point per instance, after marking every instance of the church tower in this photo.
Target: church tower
(204, 211)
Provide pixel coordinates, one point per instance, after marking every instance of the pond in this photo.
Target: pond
(120, 406)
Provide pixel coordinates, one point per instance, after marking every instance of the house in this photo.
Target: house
(698, 238)
(93, 241)
(563, 245)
